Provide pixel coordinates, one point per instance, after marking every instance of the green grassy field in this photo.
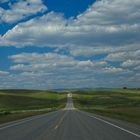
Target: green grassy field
(17, 104)
(122, 104)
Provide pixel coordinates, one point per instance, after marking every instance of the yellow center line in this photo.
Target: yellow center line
(61, 120)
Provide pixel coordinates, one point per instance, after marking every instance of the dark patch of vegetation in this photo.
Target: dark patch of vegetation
(16, 116)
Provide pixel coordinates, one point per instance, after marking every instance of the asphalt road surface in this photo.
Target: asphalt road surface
(69, 124)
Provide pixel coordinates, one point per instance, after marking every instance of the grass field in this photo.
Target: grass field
(122, 104)
(17, 104)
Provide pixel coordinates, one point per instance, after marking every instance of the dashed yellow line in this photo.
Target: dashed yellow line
(59, 123)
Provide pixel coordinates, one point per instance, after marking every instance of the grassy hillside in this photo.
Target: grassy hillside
(21, 103)
(118, 103)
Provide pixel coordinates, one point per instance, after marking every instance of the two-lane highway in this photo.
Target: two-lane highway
(69, 105)
(68, 124)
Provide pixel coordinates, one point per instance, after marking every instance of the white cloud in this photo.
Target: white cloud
(4, 72)
(131, 49)
(131, 63)
(85, 63)
(89, 50)
(55, 70)
(101, 25)
(17, 67)
(21, 9)
(109, 27)
(112, 70)
(50, 60)
(123, 55)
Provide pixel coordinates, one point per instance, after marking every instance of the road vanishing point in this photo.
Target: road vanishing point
(69, 124)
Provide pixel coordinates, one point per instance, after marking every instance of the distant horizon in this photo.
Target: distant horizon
(71, 89)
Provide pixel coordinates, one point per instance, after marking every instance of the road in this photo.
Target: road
(69, 124)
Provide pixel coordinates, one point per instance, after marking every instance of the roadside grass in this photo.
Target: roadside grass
(17, 104)
(21, 115)
(122, 104)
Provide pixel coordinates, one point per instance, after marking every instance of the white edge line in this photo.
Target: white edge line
(14, 123)
(113, 125)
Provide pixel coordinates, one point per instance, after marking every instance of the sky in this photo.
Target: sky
(59, 44)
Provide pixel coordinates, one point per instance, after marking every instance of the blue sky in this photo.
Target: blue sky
(69, 44)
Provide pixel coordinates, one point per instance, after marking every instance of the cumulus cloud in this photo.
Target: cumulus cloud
(4, 72)
(21, 9)
(52, 70)
(131, 63)
(123, 55)
(112, 70)
(108, 29)
(49, 61)
(113, 52)
(101, 24)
